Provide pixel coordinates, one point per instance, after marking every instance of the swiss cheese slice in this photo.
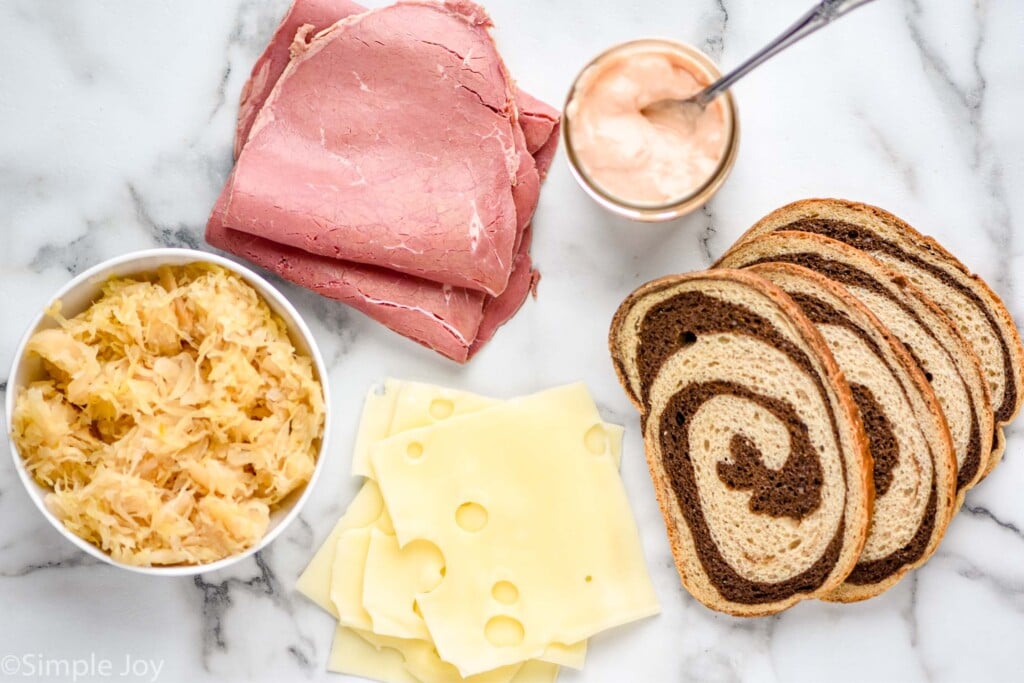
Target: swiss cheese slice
(354, 656)
(421, 405)
(526, 506)
(422, 661)
(390, 409)
(393, 660)
(346, 589)
(399, 406)
(335, 580)
(375, 422)
(393, 598)
(393, 579)
(315, 581)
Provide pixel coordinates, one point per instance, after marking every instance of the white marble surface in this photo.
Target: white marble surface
(115, 134)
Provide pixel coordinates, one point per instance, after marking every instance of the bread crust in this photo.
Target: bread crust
(857, 463)
(957, 344)
(945, 466)
(926, 246)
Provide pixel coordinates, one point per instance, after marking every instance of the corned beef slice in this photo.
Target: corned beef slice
(451, 320)
(388, 140)
(540, 123)
(268, 68)
(441, 317)
(498, 310)
(454, 321)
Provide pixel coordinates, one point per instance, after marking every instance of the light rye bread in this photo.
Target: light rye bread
(929, 336)
(975, 309)
(914, 464)
(755, 446)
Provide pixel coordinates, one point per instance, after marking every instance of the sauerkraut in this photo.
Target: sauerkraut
(175, 416)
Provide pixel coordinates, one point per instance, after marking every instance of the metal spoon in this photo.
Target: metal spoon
(820, 15)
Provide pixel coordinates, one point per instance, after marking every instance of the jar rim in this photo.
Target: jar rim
(676, 207)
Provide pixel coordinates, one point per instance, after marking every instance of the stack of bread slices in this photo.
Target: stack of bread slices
(817, 404)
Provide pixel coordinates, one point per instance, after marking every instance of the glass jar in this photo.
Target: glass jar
(704, 70)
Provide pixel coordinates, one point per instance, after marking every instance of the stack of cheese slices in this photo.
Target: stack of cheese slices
(816, 406)
(489, 541)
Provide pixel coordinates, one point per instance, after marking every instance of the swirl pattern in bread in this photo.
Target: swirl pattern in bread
(929, 335)
(754, 443)
(976, 311)
(914, 463)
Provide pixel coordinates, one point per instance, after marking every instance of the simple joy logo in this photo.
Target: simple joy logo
(37, 665)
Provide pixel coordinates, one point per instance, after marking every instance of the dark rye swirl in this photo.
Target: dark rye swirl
(976, 311)
(914, 464)
(928, 334)
(754, 444)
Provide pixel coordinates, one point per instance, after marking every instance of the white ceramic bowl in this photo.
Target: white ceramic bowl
(81, 292)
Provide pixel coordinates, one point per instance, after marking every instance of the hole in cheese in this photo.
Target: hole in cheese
(505, 592)
(471, 516)
(589, 578)
(429, 558)
(502, 631)
(414, 450)
(441, 408)
(596, 440)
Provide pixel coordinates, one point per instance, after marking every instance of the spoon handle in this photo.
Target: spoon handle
(820, 15)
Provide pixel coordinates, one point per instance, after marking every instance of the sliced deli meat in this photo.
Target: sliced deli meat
(441, 317)
(268, 68)
(540, 121)
(388, 140)
(497, 310)
(452, 320)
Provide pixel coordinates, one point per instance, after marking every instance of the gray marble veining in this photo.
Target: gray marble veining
(116, 124)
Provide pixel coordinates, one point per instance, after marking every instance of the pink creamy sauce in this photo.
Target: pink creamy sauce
(633, 158)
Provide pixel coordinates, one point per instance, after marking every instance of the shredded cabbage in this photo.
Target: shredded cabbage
(176, 415)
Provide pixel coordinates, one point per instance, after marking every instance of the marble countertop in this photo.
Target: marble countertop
(116, 122)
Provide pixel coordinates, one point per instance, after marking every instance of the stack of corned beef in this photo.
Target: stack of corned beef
(386, 159)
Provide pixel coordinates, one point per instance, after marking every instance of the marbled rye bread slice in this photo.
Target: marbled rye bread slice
(755, 446)
(929, 336)
(914, 464)
(975, 309)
